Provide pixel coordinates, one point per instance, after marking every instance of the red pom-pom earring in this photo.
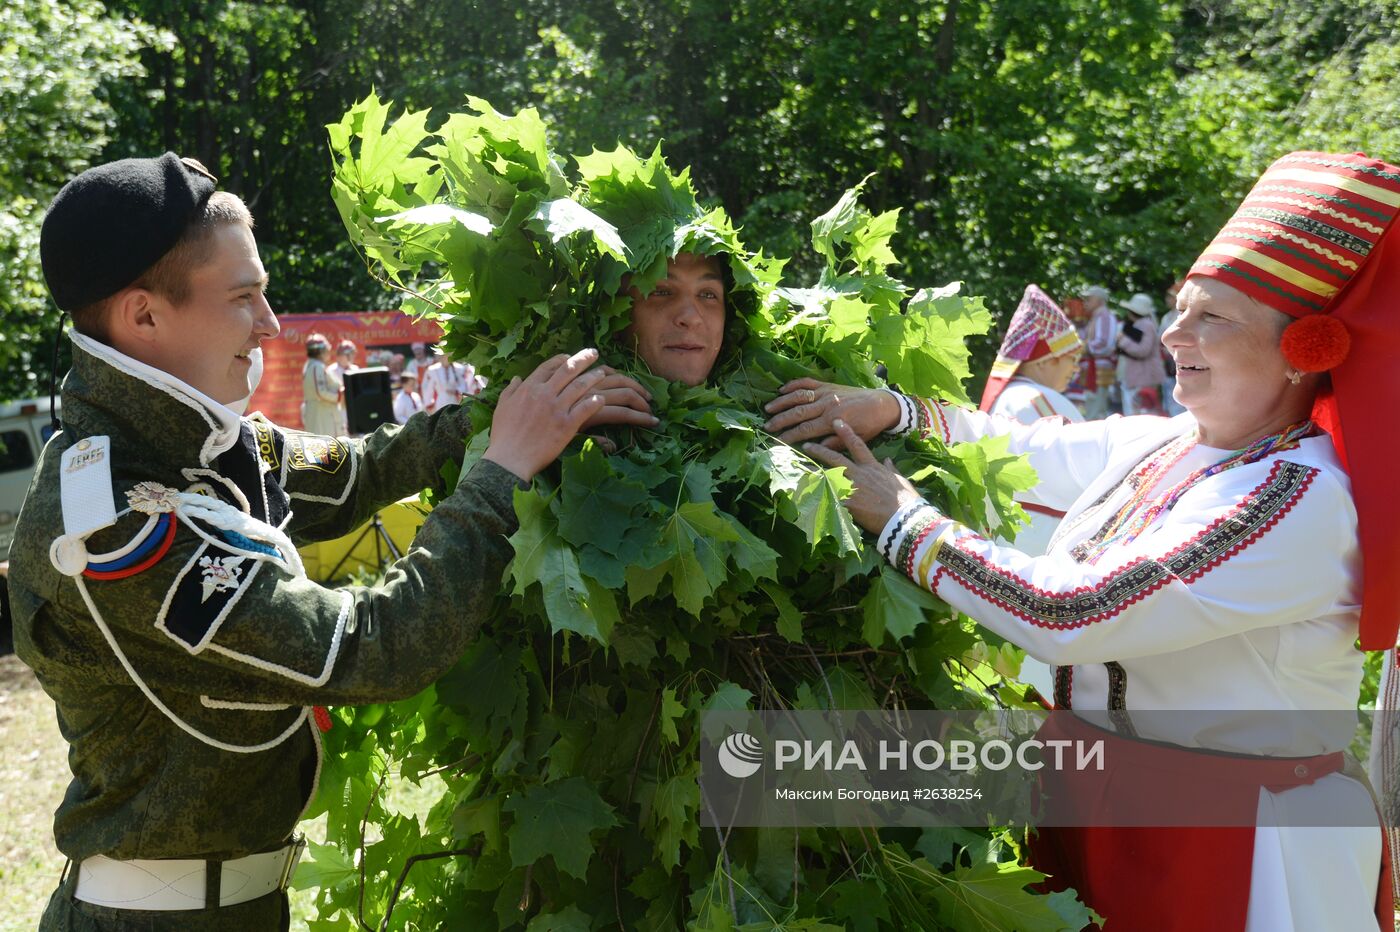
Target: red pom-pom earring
(1315, 343)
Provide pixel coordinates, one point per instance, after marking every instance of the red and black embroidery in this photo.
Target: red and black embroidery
(1064, 687)
(1229, 534)
(1118, 699)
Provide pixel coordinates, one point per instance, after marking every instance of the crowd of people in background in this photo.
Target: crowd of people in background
(425, 380)
(1122, 366)
(1115, 365)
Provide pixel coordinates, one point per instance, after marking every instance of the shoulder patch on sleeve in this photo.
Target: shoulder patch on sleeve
(271, 444)
(322, 454)
(210, 583)
(204, 592)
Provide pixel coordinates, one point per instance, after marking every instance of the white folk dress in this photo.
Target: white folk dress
(320, 409)
(1245, 596)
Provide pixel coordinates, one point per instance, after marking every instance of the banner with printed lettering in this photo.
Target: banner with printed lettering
(377, 335)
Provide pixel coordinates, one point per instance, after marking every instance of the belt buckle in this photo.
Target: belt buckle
(294, 853)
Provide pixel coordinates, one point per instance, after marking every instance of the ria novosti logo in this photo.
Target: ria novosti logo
(740, 755)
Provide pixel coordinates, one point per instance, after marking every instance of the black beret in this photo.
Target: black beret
(113, 222)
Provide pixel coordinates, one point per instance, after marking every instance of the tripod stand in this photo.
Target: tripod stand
(382, 541)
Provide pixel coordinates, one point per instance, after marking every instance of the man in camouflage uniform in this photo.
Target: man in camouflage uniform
(157, 591)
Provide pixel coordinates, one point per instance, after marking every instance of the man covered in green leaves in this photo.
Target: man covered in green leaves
(157, 589)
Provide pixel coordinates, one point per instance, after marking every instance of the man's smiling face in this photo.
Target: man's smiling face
(678, 328)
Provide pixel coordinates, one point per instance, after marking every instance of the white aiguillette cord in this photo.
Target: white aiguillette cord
(224, 516)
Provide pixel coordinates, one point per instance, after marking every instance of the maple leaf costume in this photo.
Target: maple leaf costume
(160, 600)
(1240, 582)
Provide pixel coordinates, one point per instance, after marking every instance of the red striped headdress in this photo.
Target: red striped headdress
(1314, 240)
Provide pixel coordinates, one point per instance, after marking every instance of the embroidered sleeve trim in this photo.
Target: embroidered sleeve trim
(1064, 687)
(1229, 534)
(936, 417)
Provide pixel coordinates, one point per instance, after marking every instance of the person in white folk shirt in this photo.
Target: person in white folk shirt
(419, 362)
(1100, 338)
(344, 364)
(407, 402)
(1226, 559)
(1037, 359)
(446, 382)
(320, 406)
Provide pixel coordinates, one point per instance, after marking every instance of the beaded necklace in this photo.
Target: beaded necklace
(1141, 510)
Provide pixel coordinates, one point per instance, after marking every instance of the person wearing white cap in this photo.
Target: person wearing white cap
(1141, 358)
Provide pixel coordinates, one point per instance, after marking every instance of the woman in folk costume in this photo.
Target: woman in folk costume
(1035, 363)
(1083, 382)
(1226, 559)
(1037, 359)
(320, 407)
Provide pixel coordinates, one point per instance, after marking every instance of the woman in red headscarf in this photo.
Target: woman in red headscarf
(1225, 561)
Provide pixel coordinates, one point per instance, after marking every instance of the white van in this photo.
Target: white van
(24, 428)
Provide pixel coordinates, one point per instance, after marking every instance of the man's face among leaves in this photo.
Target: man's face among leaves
(678, 328)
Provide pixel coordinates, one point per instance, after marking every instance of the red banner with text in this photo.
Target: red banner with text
(377, 336)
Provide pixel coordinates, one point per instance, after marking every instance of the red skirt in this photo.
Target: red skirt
(1169, 876)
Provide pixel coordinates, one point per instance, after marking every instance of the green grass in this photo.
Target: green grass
(33, 776)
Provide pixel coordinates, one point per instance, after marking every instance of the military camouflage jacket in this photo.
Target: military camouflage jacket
(183, 643)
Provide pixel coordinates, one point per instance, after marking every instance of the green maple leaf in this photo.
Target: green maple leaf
(750, 553)
(993, 897)
(641, 198)
(785, 466)
(383, 156)
(439, 214)
(728, 697)
(671, 710)
(847, 316)
(597, 504)
(479, 817)
(569, 919)
(543, 557)
(692, 536)
(325, 867)
(925, 349)
(831, 230)
(563, 217)
(487, 688)
(789, 622)
(557, 819)
(862, 903)
(674, 815)
(870, 243)
(818, 500)
(894, 606)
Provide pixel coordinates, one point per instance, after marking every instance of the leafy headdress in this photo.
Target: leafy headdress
(706, 566)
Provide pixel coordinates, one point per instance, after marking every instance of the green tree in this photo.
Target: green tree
(59, 63)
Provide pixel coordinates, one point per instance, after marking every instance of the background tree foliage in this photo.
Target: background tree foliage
(1057, 141)
(59, 63)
